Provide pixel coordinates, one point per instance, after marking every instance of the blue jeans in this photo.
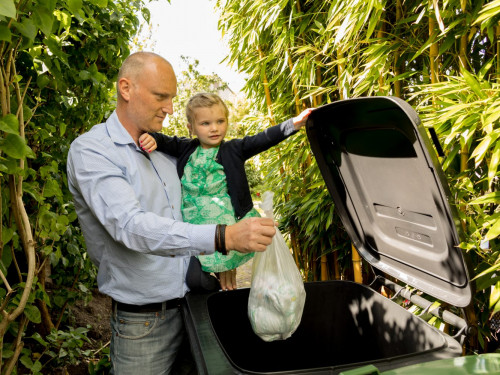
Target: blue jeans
(149, 343)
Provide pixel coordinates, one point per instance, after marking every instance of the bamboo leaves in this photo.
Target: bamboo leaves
(474, 84)
(442, 57)
(489, 12)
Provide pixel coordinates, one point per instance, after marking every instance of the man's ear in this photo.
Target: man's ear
(124, 85)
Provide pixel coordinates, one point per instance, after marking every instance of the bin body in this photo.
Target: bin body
(344, 325)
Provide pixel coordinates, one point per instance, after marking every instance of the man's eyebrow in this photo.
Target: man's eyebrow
(163, 94)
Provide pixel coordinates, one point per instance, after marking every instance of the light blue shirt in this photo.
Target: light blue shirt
(128, 205)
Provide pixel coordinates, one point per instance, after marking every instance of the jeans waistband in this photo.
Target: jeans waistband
(150, 307)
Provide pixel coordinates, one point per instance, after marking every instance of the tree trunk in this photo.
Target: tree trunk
(8, 73)
(47, 324)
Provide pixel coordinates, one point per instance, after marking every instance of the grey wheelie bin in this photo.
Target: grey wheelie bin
(392, 197)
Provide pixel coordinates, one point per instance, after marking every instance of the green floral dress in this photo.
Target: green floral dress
(205, 200)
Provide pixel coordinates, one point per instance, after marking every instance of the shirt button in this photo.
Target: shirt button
(172, 207)
(164, 184)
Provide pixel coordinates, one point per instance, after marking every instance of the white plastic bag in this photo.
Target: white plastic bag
(277, 294)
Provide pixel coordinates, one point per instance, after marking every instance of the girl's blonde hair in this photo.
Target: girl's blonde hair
(204, 100)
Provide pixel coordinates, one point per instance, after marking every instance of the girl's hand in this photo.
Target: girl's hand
(301, 119)
(227, 280)
(147, 142)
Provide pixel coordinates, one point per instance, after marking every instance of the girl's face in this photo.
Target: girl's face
(210, 125)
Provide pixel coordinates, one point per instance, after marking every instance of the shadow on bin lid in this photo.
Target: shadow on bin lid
(390, 192)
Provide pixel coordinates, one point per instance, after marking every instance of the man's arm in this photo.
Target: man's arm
(98, 181)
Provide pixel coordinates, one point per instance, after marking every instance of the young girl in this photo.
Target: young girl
(214, 184)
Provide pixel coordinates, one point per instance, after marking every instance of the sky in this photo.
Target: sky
(189, 28)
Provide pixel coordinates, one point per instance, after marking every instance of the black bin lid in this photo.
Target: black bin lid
(391, 193)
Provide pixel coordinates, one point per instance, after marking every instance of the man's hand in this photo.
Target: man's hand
(250, 235)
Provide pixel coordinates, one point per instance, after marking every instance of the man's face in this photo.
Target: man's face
(150, 97)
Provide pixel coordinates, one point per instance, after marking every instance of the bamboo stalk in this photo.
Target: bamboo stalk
(294, 85)
(267, 93)
(324, 268)
(462, 57)
(380, 35)
(319, 81)
(293, 237)
(356, 264)
(336, 265)
(319, 101)
(340, 71)
(397, 68)
(433, 51)
(498, 50)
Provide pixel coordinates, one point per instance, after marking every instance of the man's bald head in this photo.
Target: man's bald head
(135, 64)
(146, 89)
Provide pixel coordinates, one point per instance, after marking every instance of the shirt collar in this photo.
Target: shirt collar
(117, 131)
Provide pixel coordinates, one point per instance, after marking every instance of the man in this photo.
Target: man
(128, 204)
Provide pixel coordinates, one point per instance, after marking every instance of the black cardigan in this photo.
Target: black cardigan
(232, 156)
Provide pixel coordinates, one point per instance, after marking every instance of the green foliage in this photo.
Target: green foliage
(102, 365)
(58, 348)
(59, 62)
(189, 82)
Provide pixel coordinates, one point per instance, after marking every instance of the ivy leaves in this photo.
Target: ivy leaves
(8, 8)
(58, 63)
(13, 145)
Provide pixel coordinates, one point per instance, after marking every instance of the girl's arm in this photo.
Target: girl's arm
(253, 145)
(173, 146)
